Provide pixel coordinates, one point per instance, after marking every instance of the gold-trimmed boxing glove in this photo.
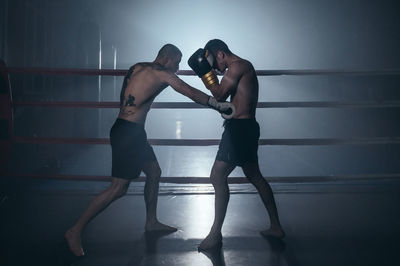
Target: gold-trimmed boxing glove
(201, 62)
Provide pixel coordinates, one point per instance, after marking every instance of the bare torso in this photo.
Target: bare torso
(141, 87)
(245, 97)
(241, 84)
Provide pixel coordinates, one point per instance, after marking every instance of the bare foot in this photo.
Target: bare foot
(74, 242)
(157, 226)
(275, 233)
(210, 242)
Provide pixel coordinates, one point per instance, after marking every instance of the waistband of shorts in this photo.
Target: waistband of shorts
(128, 123)
(239, 121)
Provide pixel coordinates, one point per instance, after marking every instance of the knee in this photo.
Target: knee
(155, 174)
(119, 190)
(217, 180)
(255, 179)
(122, 190)
(213, 180)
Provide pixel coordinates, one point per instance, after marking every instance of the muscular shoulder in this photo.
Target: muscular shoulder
(145, 66)
(163, 74)
(243, 65)
(149, 69)
(154, 71)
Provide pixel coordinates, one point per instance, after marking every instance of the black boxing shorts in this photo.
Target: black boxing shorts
(239, 142)
(130, 149)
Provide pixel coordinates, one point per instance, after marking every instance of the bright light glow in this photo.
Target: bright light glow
(201, 214)
(115, 67)
(178, 129)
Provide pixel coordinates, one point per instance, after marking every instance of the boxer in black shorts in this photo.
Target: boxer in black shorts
(239, 143)
(130, 149)
(131, 153)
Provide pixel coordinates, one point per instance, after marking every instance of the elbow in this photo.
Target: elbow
(219, 95)
(219, 98)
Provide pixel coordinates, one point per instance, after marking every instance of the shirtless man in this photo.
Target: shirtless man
(131, 152)
(239, 143)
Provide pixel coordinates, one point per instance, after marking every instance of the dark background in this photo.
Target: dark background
(273, 35)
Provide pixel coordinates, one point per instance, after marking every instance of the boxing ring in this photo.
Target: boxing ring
(335, 223)
(8, 137)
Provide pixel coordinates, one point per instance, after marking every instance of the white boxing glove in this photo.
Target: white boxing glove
(226, 109)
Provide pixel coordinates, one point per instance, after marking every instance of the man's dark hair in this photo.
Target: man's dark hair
(169, 50)
(217, 45)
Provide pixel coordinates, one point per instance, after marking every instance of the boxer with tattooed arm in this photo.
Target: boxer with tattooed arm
(131, 152)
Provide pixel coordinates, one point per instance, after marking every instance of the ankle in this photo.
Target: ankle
(215, 231)
(152, 221)
(74, 231)
(276, 227)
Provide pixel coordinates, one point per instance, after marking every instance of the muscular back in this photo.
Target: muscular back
(141, 85)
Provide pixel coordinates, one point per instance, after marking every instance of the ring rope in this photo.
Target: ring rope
(123, 72)
(192, 105)
(213, 142)
(209, 142)
(206, 180)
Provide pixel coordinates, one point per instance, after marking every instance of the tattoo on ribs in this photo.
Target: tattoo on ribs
(130, 100)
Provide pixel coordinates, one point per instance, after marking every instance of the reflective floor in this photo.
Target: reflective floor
(353, 223)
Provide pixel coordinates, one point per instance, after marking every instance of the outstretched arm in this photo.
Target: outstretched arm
(182, 87)
(227, 109)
